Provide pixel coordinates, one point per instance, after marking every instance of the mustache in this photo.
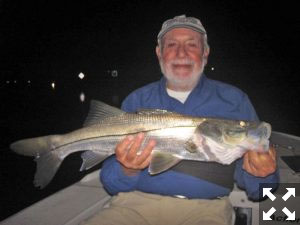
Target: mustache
(182, 61)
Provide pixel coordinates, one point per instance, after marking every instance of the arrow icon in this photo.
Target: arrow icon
(267, 191)
(267, 215)
(290, 192)
(291, 216)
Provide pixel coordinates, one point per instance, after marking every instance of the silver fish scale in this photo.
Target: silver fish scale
(146, 119)
(169, 140)
(129, 123)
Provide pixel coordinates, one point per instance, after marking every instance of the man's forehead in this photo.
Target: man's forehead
(182, 33)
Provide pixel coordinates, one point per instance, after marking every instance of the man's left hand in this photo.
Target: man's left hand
(260, 164)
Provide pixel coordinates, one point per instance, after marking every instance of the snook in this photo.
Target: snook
(178, 137)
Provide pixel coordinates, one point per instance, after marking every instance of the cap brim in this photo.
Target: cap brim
(197, 29)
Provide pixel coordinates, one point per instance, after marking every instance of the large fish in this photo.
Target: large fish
(178, 137)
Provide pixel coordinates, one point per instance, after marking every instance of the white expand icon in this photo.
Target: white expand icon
(267, 215)
(290, 216)
(290, 192)
(267, 192)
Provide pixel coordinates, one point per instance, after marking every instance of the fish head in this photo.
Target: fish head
(258, 137)
(230, 133)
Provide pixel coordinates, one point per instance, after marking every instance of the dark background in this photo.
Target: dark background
(254, 46)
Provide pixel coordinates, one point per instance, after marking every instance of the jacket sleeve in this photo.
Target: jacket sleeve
(113, 178)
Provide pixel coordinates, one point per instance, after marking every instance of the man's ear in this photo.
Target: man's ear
(158, 52)
(205, 55)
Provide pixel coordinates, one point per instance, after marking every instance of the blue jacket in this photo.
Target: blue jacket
(209, 98)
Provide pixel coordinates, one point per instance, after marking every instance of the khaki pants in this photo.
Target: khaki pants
(137, 208)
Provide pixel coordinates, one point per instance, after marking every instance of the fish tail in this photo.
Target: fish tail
(42, 148)
(47, 166)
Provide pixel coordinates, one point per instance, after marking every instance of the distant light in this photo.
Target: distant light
(82, 97)
(114, 73)
(81, 76)
(53, 85)
(7, 81)
(15, 81)
(213, 68)
(29, 82)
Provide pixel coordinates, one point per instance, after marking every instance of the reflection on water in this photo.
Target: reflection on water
(82, 97)
(53, 85)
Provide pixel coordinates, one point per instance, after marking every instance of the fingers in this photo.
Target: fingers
(248, 166)
(132, 152)
(145, 157)
(122, 146)
(260, 164)
(128, 154)
(272, 153)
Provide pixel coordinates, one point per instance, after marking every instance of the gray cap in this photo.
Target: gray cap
(183, 22)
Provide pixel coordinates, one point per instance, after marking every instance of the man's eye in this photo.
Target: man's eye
(192, 44)
(171, 44)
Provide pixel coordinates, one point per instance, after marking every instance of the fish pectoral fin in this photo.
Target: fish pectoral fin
(162, 161)
(90, 159)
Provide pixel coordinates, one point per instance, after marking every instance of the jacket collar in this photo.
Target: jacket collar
(170, 103)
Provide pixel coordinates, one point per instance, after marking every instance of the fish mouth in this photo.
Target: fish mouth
(261, 135)
(263, 131)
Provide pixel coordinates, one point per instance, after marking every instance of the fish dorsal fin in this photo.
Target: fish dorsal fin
(162, 161)
(155, 111)
(99, 111)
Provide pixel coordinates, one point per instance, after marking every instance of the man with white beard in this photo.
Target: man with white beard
(191, 192)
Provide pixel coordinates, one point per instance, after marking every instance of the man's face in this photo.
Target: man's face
(182, 58)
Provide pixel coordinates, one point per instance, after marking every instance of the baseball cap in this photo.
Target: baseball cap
(183, 22)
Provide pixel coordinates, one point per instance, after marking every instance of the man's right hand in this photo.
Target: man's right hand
(126, 153)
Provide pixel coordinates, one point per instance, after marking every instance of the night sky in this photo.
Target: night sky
(254, 46)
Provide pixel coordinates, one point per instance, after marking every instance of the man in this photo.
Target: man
(180, 195)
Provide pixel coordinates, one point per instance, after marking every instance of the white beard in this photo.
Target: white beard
(181, 83)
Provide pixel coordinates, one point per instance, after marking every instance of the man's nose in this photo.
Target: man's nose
(181, 51)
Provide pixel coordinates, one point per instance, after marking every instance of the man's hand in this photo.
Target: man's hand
(126, 153)
(260, 164)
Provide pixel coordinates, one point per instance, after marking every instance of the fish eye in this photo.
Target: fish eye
(234, 133)
(233, 136)
(235, 130)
